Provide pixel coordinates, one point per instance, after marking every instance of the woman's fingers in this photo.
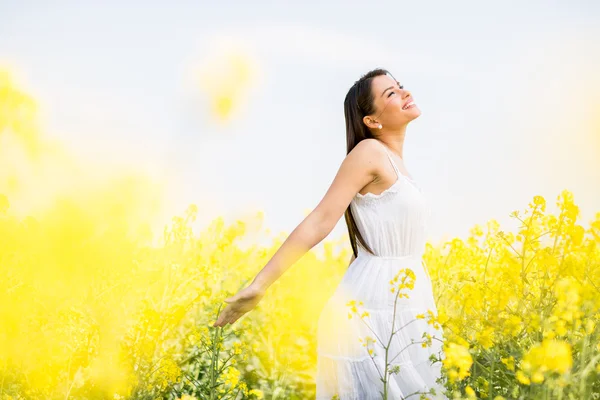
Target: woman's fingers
(233, 318)
(227, 317)
(231, 313)
(223, 318)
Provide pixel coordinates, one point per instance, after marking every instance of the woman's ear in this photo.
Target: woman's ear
(370, 122)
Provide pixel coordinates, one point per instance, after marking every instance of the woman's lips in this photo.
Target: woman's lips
(408, 105)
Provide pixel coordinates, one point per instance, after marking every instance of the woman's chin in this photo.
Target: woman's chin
(414, 113)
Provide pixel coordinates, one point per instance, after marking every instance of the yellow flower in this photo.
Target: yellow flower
(458, 361)
(537, 377)
(521, 377)
(469, 391)
(237, 348)
(509, 362)
(484, 337)
(231, 376)
(551, 355)
(256, 392)
(243, 387)
(590, 324)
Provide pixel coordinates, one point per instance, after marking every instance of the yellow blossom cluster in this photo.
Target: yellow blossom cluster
(407, 278)
(457, 361)
(547, 357)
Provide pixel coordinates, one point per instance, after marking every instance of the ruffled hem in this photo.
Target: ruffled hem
(346, 368)
(359, 379)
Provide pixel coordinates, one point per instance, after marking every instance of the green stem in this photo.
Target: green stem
(582, 355)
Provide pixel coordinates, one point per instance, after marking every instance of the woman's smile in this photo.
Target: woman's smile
(409, 104)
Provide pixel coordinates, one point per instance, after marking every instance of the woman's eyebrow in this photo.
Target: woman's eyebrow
(391, 87)
(382, 93)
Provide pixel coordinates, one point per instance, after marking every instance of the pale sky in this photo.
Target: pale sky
(509, 93)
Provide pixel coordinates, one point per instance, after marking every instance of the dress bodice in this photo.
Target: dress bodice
(394, 222)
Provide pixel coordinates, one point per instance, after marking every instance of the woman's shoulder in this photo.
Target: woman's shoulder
(369, 146)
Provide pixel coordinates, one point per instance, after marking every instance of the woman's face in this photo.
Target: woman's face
(394, 106)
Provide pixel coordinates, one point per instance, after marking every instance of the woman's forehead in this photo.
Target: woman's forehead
(381, 83)
(383, 80)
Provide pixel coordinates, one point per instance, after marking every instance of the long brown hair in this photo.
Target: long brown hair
(357, 104)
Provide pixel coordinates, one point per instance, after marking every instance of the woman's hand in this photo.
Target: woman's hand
(239, 304)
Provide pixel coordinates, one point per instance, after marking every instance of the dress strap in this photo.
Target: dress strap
(391, 160)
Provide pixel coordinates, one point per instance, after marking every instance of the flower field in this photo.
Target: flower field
(93, 308)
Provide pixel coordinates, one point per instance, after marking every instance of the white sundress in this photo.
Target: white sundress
(394, 224)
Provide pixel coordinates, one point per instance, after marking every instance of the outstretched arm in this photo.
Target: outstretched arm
(357, 170)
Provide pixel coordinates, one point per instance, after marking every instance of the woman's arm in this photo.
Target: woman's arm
(359, 168)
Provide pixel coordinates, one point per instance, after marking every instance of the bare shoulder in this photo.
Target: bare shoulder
(368, 153)
(368, 147)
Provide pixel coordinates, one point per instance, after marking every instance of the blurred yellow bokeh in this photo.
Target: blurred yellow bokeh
(225, 78)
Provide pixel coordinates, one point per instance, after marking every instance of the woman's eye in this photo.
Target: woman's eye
(391, 93)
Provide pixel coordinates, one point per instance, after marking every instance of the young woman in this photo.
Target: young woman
(386, 213)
